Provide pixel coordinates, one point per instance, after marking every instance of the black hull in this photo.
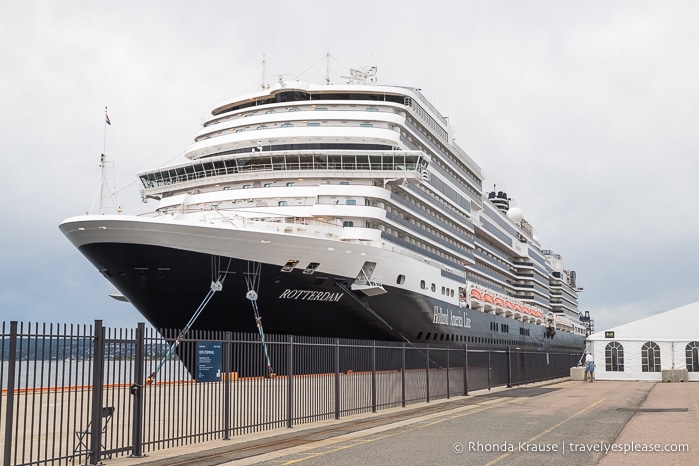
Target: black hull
(167, 286)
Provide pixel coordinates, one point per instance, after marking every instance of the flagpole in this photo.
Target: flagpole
(103, 164)
(106, 118)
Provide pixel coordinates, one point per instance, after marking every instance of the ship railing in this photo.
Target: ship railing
(387, 161)
(438, 130)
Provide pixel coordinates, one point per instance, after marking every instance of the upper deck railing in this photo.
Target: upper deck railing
(203, 169)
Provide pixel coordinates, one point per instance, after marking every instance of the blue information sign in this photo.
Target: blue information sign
(209, 361)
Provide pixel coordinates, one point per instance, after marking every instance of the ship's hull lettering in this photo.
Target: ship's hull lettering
(310, 295)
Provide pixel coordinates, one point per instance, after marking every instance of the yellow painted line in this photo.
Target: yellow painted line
(363, 442)
(550, 429)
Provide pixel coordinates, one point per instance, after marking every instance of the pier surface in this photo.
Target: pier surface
(572, 422)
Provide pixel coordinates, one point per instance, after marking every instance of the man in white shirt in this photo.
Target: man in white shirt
(590, 366)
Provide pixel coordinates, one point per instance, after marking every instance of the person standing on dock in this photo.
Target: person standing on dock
(590, 366)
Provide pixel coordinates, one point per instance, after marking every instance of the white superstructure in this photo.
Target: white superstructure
(358, 182)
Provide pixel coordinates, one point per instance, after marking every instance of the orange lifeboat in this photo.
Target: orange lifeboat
(508, 305)
(499, 302)
(476, 294)
(488, 298)
(518, 307)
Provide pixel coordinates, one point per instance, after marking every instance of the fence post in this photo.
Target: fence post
(465, 369)
(427, 373)
(337, 378)
(97, 382)
(448, 351)
(9, 412)
(402, 379)
(137, 392)
(509, 369)
(490, 369)
(373, 377)
(290, 384)
(227, 375)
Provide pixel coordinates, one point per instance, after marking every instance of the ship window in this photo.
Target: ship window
(313, 123)
(310, 268)
(427, 337)
(422, 284)
(287, 125)
(226, 188)
(269, 111)
(344, 182)
(268, 185)
(441, 337)
(247, 186)
(401, 279)
(372, 109)
(434, 287)
(289, 266)
(351, 202)
(435, 337)
(294, 109)
(348, 223)
(319, 109)
(444, 290)
(290, 183)
(282, 203)
(419, 335)
(366, 125)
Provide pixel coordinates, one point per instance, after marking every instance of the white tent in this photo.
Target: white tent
(640, 350)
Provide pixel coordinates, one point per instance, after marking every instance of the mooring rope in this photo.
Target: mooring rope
(252, 281)
(216, 285)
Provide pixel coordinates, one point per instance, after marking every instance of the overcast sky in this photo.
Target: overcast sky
(584, 112)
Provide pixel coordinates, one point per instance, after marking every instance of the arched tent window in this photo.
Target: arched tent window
(650, 357)
(692, 352)
(614, 357)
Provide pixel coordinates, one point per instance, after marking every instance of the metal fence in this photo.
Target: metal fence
(84, 394)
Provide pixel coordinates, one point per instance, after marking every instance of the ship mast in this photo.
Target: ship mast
(107, 196)
(263, 81)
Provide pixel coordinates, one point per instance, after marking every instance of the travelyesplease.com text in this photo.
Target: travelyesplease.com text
(569, 447)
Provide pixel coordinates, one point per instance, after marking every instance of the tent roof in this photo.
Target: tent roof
(681, 323)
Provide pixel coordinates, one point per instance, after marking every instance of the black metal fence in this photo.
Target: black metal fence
(84, 394)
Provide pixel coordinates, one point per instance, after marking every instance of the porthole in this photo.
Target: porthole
(400, 280)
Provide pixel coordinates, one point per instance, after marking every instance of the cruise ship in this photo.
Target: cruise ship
(340, 210)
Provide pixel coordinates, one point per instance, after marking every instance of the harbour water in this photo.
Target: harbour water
(64, 373)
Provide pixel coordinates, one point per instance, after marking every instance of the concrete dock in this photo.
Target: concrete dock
(565, 421)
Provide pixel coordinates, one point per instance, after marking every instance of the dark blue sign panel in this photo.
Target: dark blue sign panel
(209, 361)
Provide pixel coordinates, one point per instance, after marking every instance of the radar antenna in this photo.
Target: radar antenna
(363, 75)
